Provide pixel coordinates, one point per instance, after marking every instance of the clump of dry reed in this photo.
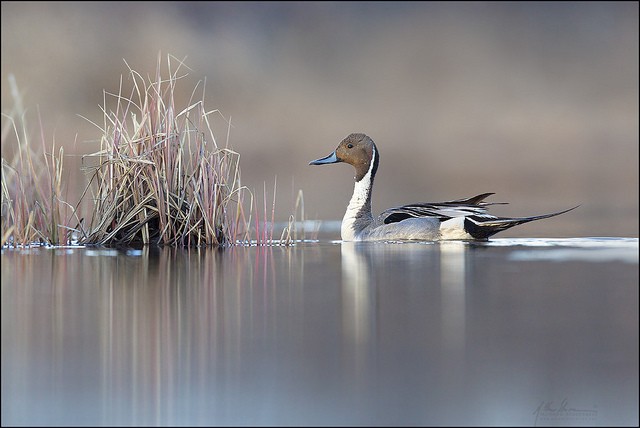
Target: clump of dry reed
(33, 211)
(159, 177)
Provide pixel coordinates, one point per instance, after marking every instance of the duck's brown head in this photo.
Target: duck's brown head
(357, 150)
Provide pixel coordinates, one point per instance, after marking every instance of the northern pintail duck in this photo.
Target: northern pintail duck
(458, 219)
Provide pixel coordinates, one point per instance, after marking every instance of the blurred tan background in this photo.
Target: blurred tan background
(537, 102)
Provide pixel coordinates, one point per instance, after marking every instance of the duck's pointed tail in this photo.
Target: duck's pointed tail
(483, 228)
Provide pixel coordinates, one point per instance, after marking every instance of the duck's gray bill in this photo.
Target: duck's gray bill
(332, 158)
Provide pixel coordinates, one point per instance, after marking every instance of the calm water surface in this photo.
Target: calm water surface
(513, 331)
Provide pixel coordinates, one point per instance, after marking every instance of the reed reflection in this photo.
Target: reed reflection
(160, 327)
(178, 336)
(154, 336)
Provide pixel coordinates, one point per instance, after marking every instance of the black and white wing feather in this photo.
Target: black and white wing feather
(474, 206)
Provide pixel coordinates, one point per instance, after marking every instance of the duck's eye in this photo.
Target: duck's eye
(350, 146)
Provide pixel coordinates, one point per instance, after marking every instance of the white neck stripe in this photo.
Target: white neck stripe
(358, 202)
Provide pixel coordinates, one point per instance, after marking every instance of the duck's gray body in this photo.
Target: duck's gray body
(459, 219)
